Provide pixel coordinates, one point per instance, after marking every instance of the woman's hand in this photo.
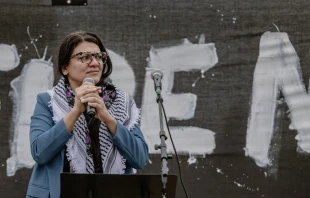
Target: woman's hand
(86, 90)
(82, 95)
(93, 99)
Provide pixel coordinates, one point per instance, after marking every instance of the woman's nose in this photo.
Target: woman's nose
(93, 62)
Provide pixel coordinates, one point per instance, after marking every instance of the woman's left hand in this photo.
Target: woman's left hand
(102, 113)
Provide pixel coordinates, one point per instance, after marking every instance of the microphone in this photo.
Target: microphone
(157, 75)
(91, 111)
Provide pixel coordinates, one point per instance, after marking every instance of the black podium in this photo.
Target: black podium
(69, 2)
(115, 186)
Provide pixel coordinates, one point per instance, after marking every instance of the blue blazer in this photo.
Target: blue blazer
(47, 141)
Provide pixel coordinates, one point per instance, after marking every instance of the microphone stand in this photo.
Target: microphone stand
(162, 146)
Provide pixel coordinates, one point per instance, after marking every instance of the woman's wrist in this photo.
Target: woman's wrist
(76, 111)
(71, 118)
(111, 123)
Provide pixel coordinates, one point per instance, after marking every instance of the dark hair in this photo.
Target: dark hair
(69, 44)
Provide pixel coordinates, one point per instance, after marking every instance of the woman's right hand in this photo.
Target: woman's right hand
(85, 90)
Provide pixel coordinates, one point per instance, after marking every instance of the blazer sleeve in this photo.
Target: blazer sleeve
(131, 145)
(46, 138)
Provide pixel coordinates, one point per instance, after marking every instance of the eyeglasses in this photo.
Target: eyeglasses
(87, 57)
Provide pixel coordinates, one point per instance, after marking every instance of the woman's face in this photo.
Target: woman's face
(83, 64)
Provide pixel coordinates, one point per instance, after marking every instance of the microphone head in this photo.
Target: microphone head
(89, 80)
(158, 72)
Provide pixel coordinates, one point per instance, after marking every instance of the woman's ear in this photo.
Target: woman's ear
(65, 71)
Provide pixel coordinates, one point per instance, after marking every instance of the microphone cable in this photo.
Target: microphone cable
(176, 154)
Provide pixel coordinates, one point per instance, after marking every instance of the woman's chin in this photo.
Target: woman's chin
(95, 78)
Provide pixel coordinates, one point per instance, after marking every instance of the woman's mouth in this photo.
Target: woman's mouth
(92, 72)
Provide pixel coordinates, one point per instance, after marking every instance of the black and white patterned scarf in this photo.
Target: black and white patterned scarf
(122, 109)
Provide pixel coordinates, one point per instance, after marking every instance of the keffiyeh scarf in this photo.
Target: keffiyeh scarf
(122, 107)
